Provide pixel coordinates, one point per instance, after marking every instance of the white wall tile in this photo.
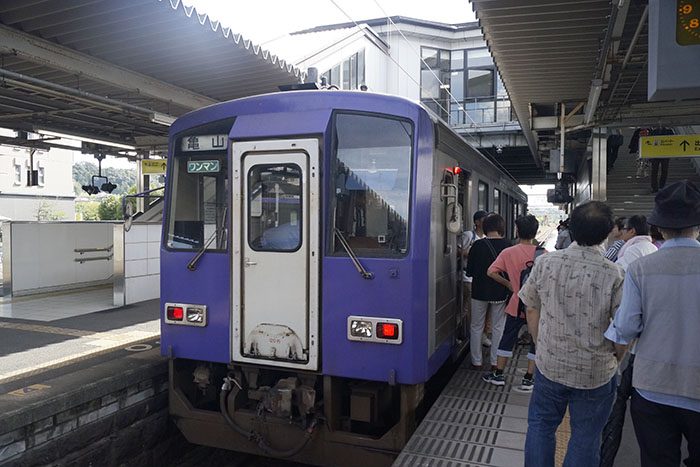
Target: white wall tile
(136, 268)
(135, 251)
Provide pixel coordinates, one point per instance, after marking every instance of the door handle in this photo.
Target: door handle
(248, 262)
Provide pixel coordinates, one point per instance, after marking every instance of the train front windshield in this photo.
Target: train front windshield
(199, 189)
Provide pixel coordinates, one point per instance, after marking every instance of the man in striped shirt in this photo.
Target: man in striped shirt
(616, 240)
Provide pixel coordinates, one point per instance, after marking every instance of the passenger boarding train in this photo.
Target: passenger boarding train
(309, 270)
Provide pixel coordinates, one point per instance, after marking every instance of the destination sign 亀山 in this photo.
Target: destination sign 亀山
(204, 143)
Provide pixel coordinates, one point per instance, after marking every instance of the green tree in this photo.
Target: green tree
(88, 211)
(110, 208)
(47, 212)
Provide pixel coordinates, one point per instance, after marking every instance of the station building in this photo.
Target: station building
(52, 198)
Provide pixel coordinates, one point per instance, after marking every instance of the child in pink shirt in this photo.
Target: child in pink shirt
(512, 261)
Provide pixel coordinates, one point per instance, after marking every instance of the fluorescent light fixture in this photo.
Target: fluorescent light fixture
(162, 119)
(87, 140)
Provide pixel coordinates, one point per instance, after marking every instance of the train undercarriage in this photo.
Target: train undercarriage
(304, 417)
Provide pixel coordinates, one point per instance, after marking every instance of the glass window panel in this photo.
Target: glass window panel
(479, 57)
(483, 197)
(497, 201)
(198, 199)
(361, 67)
(335, 75)
(457, 60)
(480, 111)
(346, 74)
(456, 115)
(430, 57)
(457, 84)
(42, 176)
(503, 111)
(430, 86)
(444, 60)
(500, 89)
(372, 180)
(353, 72)
(18, 173)
(480, 83)
(275, 207)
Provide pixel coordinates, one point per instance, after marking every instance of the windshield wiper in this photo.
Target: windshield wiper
(353, 257)
(192, 265)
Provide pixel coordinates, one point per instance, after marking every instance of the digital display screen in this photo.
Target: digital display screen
(688, 22)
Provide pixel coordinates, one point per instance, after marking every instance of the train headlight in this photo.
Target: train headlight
(361, 328)
(195, 315)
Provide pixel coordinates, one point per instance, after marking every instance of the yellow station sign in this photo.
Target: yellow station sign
(153, 166)
(670, 146)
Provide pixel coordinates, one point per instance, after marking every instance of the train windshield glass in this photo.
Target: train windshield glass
(372, 183)
(199, 189)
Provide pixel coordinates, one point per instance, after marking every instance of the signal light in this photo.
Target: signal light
(108, 187)
(457, 170)
(175, 313)
(90, 189)
(388, 330)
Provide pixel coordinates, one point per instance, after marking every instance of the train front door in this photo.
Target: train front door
(275, 258)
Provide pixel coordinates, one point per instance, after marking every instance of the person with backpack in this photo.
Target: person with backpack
(516, 262)
(468, 239)
(487, 295)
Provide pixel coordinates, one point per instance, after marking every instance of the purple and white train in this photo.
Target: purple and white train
(309, 277)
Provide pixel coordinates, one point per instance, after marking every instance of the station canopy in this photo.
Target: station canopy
(590, 55)
(121, 71)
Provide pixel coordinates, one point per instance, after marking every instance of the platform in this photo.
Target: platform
(473, 423)
(67, 331)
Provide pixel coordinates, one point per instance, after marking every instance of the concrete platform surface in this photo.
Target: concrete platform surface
(30, 347)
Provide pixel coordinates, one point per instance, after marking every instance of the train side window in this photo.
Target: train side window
(497, 201)
(371, 183)
(483, 197)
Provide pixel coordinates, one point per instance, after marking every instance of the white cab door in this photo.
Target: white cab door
(275, 265)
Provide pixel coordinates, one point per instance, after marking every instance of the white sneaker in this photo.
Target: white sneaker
(485, 341)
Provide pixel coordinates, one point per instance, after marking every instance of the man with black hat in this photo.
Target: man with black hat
(661, 308)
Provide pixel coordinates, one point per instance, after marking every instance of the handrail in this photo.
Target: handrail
(96, 258)
(93, 250)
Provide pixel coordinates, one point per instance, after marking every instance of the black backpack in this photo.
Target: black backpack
(524, 275)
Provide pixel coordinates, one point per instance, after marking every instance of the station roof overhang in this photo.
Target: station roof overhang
(589, 55)
(121, 71)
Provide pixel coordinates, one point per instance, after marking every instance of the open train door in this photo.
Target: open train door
(275, 256)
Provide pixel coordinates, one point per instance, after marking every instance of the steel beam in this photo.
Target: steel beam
(49, 54)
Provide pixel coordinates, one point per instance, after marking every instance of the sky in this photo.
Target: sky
(263, 20)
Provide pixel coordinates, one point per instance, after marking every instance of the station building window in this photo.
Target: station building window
(41, 176)
(436, 69)
(350, 74)
(18, 174)
(478, 95)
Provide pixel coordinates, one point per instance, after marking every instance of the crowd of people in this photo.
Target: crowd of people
(613, 314)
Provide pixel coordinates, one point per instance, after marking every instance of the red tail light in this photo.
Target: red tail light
(388, 330)
(175, 313)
